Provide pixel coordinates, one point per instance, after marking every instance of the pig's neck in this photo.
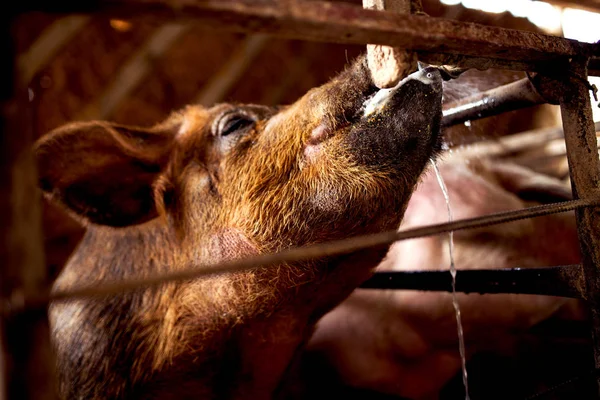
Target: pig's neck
(236, 335)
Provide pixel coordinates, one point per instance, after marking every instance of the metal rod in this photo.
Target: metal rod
(513, 96)
(563, 281)
(582, 153)
(38, 299)
(26, 360)
(511, 144)
(344, 23)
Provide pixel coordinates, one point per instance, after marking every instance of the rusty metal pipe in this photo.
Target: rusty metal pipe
(513, 96)
(584, 167)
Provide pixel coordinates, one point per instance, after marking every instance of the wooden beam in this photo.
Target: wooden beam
(26, 360)
(49, 43)
(133, 72)
(302, 62)
(232, 70)
(389, 64)
(345, 23)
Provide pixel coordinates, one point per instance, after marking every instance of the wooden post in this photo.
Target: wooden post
(26, 360)
(389, 64)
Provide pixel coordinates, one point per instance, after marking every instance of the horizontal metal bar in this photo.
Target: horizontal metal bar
(345, 23)
(292, 255)
(563, 281)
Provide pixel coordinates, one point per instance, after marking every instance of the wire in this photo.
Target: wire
(20, 302)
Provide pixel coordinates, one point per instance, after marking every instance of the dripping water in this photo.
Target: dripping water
(461, 337)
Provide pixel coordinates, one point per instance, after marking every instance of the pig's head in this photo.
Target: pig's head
(230, 181)
(341, 161)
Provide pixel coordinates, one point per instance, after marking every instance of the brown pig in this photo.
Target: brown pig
(209, 185)
(404, 343)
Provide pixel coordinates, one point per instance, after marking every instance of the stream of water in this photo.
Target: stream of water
(461, 336)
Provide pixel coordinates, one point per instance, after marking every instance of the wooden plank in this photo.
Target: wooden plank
(49, 43)
(389, 64)
(133, 72)
(232, 71)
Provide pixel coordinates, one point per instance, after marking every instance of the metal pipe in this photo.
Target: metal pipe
(563, 281)
(584, 167)
(512, 96)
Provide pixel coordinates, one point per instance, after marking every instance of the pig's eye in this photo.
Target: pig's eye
(233, 122)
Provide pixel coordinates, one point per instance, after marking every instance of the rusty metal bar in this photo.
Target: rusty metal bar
(584, 167)
(26, 353)
(343, 23)
(563, 281)
(513, 96)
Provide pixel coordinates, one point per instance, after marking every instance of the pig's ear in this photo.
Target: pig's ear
(104, 172)
(530, 185)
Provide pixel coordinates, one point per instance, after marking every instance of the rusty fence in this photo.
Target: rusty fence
(558, 69)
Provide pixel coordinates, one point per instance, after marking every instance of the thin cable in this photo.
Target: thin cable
(23, 302)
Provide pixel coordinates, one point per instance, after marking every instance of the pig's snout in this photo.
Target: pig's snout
(400, 127)
(429, 76)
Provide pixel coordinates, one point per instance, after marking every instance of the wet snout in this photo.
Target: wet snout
(400, 126)
(428, 76)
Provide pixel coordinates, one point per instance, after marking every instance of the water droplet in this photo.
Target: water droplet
(468, 123)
